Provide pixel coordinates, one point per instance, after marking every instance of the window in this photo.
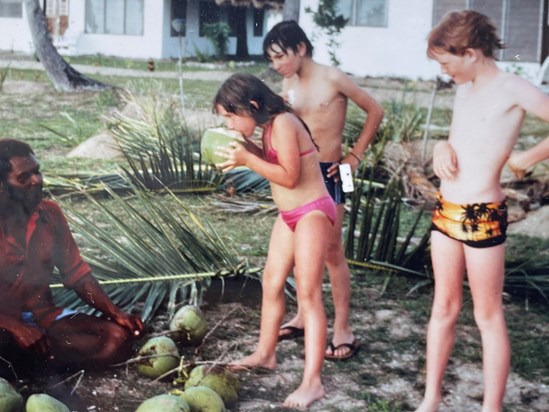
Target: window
(179, 11)
(370, 13)
(259, 17)
(114, 17)
(209, 13)
(519, 24)
(11, 8)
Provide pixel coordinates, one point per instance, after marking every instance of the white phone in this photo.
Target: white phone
(346, 176)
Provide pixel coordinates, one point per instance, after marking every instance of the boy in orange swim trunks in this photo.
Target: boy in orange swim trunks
(470, 220)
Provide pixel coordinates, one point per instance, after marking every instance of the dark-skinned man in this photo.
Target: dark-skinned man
(34, 239)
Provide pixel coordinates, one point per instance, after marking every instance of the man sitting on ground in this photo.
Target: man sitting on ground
(34, 239)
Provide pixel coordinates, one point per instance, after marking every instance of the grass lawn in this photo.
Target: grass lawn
(390, 319)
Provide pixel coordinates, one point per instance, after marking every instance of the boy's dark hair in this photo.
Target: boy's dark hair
(238, 91)
(287, 35)
(11, 148)
(462, 30)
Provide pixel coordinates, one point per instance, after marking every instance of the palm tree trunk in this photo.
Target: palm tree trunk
(63, 76)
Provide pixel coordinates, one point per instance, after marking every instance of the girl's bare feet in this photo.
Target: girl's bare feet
(305, 395)
(254, 361)
(428, 405)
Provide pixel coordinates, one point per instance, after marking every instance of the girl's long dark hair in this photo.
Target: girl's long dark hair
(237, 93)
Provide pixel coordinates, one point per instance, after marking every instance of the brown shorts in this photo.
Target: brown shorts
(477, 225)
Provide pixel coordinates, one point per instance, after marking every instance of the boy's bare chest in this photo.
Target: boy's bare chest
(313, 102)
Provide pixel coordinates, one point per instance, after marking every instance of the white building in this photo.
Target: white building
(382, 38)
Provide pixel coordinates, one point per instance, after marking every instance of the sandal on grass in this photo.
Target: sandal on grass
(290, 332)
(353, 349)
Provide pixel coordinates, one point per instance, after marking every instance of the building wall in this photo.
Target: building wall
(149, 45)
(15, 35)
(397, 50)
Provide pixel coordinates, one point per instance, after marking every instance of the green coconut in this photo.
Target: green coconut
(221, 380)
(189, 325)
(40, 402)
(212, 139)
(159, 355)
(10, 399)
(203, 399)
(164, 403)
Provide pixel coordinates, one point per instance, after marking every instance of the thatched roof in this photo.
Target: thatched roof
(258, 4)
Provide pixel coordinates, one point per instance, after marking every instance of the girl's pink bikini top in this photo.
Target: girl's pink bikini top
(270, 153)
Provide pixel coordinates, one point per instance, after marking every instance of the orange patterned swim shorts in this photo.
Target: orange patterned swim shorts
(477, 225)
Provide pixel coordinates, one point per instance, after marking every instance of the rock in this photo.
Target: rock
(101, 146)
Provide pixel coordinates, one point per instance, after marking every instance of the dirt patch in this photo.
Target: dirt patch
(387, 371)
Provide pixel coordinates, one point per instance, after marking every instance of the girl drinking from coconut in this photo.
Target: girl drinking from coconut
(289, 160)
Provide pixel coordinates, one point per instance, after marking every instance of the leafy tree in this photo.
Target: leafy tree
(331, 23)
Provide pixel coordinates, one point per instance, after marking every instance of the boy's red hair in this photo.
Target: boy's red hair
(462, 30)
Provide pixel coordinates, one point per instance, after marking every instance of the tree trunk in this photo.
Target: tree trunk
(63, 76)
(241, 33)
(290, 11)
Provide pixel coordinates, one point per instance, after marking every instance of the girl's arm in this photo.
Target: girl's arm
(532, 100)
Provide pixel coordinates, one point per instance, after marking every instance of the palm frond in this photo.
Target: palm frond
(160, 148)
(375, 238)
(149, 248)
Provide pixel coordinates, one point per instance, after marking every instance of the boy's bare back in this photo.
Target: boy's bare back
(487, 118)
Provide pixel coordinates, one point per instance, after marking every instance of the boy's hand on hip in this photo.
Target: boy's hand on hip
(444, 161)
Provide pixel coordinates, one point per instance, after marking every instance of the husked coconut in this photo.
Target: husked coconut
(10, 399)
(221, 380)
(203, 399)
(41, 402)
(158, 356)
(189, 325)
(164, 403)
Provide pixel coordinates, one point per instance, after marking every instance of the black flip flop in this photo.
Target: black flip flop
(293, 333)
(353, 349)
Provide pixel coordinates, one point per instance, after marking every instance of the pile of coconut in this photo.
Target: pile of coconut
(210, 388)
(207, 388)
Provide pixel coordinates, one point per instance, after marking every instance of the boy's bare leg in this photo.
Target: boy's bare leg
(309, 270)
(280, 262)
(340, 280)
(448, 265)
(485, 268)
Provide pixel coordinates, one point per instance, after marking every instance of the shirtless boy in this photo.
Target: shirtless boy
(470, 220)
(319, 95)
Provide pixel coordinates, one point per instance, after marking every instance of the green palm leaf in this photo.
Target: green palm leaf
(149, 250)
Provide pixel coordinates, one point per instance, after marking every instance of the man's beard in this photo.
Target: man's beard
(28, 198)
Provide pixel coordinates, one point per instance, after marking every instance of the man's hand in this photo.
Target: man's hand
(444, 161)
(31, 338)
(130, 322)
